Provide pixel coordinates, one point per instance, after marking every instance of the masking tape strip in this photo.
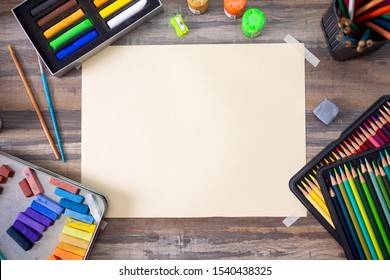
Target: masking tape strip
(310, 57)
(288, 221)
(93, 207)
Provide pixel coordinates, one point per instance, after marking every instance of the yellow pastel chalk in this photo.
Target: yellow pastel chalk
(77, 233)
(73, 249)
(74, 241)
(80, 225)
(61, 25)
(112, 8)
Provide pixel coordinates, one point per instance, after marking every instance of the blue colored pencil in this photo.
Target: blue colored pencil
(51, 109)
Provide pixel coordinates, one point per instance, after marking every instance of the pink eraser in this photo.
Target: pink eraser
(25, 187)
(6, 171)
(33, 181)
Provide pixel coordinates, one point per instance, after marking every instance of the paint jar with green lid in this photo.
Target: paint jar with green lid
(253, 21)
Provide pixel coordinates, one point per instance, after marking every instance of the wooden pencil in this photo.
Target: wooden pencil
(345, 150)
(316, 197)
(381, 185)
(355, 146)
(352, 214)
(379, 132)
(361, 215)
(378, 215)
(344, 215)
(315, 188)
(375, 135)
(365, 140)
(384, 176)
(381, 127)
(367, 7)
(375, 13)
(361, 144)
(384, 122)
(34, 102)
(373, 141)
(349, 147)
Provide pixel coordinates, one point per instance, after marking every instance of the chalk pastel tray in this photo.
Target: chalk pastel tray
(13, 201)
(377, 225)
(84, 32)
(338, 150)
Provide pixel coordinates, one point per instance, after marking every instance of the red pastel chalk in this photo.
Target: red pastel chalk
(64, 186)
(6, 171)
(25, 187)
(2, 179)
(33, 181)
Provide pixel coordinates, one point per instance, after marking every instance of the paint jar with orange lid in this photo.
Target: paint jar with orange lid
(234, 8)
(198, 7)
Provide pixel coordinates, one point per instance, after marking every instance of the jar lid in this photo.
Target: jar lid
(253, 21)
(234, 6)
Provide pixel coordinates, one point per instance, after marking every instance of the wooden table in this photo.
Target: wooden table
(352, 85)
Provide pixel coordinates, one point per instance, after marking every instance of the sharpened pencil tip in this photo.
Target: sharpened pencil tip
(10, 48)
(341, 170)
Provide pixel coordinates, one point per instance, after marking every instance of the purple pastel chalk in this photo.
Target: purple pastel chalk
(38, 217)
(30, 233)
(49, 203)
(31, 222)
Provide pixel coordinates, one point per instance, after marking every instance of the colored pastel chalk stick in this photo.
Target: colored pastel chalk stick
(31, 222)
(73, 249)
(70, 196)
(78, 44)
(2, 179)
(2, 258)
(74, 241)
(78, 207)
(19, 238)
(79, 216)
(77, 233)
(53, 258)
(25, 187)
(64, 23)
(80, 225)
(1, 190)
(65, 255)
(43, 210)
(50, 204)
(33, 181)
(6, 171)
(65, 186)
(28, 232)
(38, 217)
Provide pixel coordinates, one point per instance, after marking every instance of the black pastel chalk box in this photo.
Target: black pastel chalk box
(82, 25)
(30, 227)
(347, 144)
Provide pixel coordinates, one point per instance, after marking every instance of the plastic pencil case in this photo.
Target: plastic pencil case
(329, 23)
(62, 222)
(360, 211)
(328, 155)
(65, 33)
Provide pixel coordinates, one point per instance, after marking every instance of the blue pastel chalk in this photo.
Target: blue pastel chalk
(78, 44)
(28, 232)
(38, 217)
(68, 195)
(31, 222)
(22, 240)
(43, 210)
(79, 216)
(78, 207)
(49, 203)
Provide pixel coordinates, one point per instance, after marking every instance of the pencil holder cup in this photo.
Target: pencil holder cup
(331, 29)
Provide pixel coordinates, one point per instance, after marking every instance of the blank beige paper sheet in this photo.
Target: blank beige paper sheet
(195, 130)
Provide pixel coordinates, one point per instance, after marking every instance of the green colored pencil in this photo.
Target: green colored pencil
(381, 185)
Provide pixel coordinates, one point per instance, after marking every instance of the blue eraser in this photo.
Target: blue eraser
(43, 210)
(19, 238)
(326, 111)
(79, 216)
(78, 207)
(49, 203)
(68, 195)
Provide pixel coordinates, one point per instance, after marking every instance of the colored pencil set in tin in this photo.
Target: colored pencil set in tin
(313, 185)
(66, 32)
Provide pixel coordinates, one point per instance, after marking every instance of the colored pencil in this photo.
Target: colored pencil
(368, 6)
(379, 132)
(383, 121)
(365, 140)
(381, 126)
(349, 147)
(344, 216)
(384, 176)
(377, 190)
(375, 13)
(345, 150)
(355, 146)
(352, 214)
(385, 166)
(370, 137)
(381, 185)
(315, 188)
(378, 29)
(34, 102)
(51, 109)
(361, 144)
(375, 135)
(316, 206)
(361, 215)
(374, 210)
(315, 196)
(370, 220)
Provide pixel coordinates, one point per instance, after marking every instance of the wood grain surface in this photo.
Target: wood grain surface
(353, 85)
